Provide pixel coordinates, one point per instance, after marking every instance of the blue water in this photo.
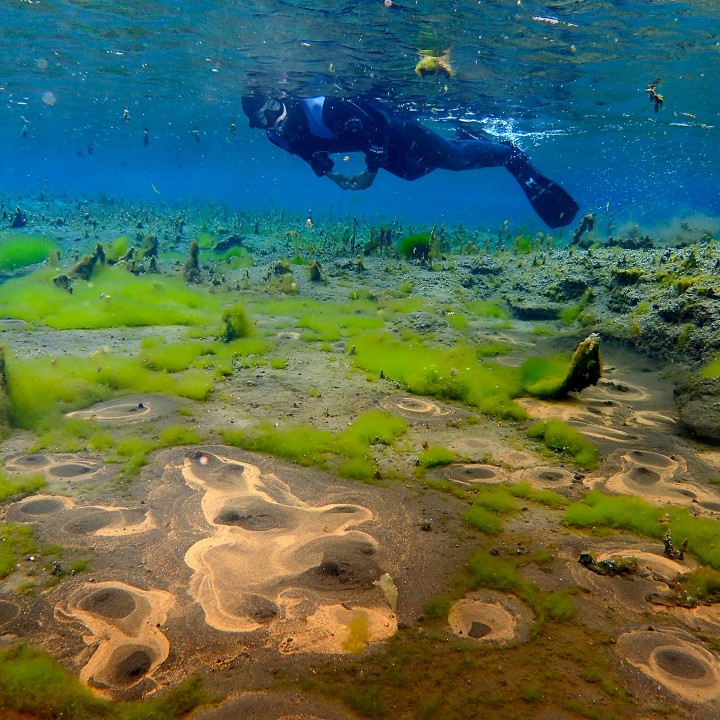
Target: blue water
(566, 80)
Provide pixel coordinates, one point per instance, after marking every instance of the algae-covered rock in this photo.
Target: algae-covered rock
(554, 377)
(698, 403)
(4, 399)
(191, 272)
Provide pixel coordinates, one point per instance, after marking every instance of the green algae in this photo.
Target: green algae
(18, 250)
(43, 387)
(34, 683)
(711, 370)
(347, 452)
(19, 485)
(114, 298)
(634, 514)
(436, 455)
(454, 374)
(561, 437)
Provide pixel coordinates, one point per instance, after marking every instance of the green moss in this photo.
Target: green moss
(302, 444)
(179, 435)
(544, 376)
(571, 313)
(454, 374)
(16, 542)
(18, 250)
(436, 455)
(34, 683)
(549, 498)
(636, 515)
(114, 298)
(358, 468)
(711, 370)
(349, 450)
(156, 354)
(557, 435)
(42, 388)
(417, 246)
(488, 309)
(484, 520)
(19, 485)
(559, 605)
(238, 323)
(371, 428)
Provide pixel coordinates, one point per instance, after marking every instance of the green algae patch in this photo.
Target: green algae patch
(19, 485)
(711, 370)
(451, 374)
(346, 452)
(19, 251)
(562, 438)
(114, 298)
(34, 683)
(435, 456)
(544, 377)
(302, 444)
(629, 513)
(42, 388)
(16, 542)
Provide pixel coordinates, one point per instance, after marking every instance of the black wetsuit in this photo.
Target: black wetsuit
(316, 127)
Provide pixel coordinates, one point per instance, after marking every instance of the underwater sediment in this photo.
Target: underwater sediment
(323, 466)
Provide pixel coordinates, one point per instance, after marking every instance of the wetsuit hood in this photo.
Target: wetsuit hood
(262, 111)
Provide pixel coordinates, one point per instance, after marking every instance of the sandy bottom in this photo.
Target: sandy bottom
(246, 566)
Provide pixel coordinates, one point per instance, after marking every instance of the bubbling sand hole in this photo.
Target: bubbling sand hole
(273, 562)
(490, 618)
(674, 660)
(123, 622)
(128, 410)
(417, 408)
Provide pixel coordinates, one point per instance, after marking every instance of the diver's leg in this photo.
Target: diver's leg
(549, 200)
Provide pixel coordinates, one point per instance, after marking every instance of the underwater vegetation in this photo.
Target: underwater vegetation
(562, 438)
(34, 683)
(41, 388)
(19, 485)
(114, 298)
(19, 250)
(347, 450)
(454, 374)
(552, 377)
(634, 514)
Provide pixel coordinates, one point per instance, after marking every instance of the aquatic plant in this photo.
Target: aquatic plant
(175, 435)
(435, 455)
(349, 449)
(238, 323)
(19, 485)
(415, 247)
(454, 374)
(711, 370)
(16, 542)
(624, 512)
(483, 519)
(565, 439)
(19, 250)
(115, 298)
(33, 683)
(156, 354)
(41, 388)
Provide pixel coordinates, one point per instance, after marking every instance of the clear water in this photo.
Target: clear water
(565, 79)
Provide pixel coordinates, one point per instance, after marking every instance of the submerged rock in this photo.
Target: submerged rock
(698, 403)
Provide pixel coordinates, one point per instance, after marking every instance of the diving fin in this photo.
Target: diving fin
(554, 206)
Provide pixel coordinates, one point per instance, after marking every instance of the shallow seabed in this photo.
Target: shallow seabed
(324, 527)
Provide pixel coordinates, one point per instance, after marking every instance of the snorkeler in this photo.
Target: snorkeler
(313, 128)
